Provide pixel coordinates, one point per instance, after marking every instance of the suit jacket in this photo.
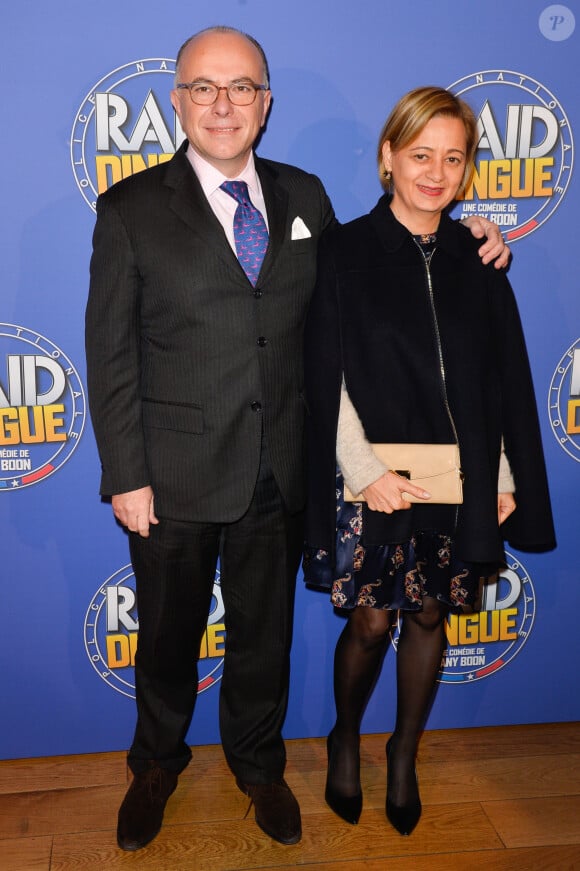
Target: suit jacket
(188, 364)
(372, 318)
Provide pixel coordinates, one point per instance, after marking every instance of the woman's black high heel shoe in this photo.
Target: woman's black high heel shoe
(348, 807)
(405, 817)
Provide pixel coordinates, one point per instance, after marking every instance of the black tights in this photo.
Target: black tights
(358, 657)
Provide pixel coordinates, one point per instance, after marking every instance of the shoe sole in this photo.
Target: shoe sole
(286, 841)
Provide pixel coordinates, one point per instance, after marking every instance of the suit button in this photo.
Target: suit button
(262, 341)
(256, 406)
(258, 294)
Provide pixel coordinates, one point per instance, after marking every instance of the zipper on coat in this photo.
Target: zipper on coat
(427, 261)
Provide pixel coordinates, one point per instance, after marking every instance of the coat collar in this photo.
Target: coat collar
(394, 235)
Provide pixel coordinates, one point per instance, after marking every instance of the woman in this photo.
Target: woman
(410, 338)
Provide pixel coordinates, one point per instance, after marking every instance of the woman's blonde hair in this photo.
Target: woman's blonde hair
(413, 111)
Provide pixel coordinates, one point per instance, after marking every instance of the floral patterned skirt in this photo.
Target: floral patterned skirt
(391, 576)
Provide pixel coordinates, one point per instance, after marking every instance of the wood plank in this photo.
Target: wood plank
(43, 813)
(240, 845)
(61, 772)
(513, 789)
(477, 780)
(489, 741)
(25, 854)
(533, 859)
(486, 742)
(484, 780)
(536, 821)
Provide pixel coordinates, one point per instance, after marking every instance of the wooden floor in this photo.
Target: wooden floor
(493, 799)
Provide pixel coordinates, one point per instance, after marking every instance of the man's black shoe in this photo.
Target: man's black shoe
(277, 811)
(141, 814)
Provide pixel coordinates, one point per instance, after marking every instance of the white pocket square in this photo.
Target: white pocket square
(300, 230)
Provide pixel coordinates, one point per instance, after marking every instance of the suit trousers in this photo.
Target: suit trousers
(174, 569)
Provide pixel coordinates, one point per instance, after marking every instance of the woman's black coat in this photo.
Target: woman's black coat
(372, 319)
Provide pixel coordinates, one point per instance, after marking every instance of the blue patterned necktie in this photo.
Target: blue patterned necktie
(250, 231)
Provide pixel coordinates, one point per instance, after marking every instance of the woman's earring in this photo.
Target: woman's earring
(388, 175)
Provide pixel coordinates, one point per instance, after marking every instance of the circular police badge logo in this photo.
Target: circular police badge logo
(125, 124)
(480, 644)
(111, 629)
(525, 152)
(42, 408)
(564, 402)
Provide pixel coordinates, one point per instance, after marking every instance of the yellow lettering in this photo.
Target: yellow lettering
(501, 179)
(215, 639)
(121, 650)
(468, 629)
(452, 630)
(479, 181)
(127, 165)
(573, 421)
(51, 423)
(489, 628)
(110, 168)
(522, 187)
(30, 436)
(542, 174)
(17, 427)
(482, 628)
(213, 642)
(10, 434)
(507, 624)
(118, 654)
(137, 163)
(108, 171)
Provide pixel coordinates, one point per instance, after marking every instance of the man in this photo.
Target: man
(195, 378)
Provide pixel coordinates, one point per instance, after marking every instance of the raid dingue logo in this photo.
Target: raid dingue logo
(564, 401)
(111, 631)
(125, 124)
(482, 643)
(42, 408)
(525, 155)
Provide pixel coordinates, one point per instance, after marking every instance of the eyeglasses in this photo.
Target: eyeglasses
(206, 93)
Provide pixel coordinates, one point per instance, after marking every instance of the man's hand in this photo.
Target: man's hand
(495, 246)
(135, 510)
(506, 505)
(385, 493)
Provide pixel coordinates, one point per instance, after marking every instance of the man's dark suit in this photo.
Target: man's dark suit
(195, 384)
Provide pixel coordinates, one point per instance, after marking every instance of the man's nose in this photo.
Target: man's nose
(223, 104)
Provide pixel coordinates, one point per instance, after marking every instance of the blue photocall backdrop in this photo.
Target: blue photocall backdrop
(85, 92)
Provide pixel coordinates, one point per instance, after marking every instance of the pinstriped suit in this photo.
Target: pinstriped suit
(195, 387)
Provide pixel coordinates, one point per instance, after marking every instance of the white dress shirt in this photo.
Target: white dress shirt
(223, 205)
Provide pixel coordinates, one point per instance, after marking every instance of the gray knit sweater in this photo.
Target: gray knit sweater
(361, 467)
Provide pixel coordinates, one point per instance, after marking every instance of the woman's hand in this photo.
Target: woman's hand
(506, 505)
(495, 246)
(385, 494)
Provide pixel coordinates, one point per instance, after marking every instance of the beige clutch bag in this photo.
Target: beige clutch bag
(436, 468)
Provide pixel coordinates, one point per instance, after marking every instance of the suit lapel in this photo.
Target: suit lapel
(276, 199)
(189, 203)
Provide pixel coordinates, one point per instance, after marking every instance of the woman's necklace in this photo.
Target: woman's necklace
(422, 238)
(426, 238)
(427, 243)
